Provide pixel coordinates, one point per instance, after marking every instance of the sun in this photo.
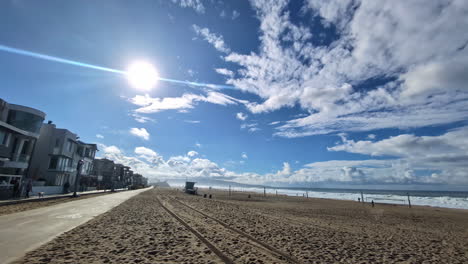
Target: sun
(142, 75)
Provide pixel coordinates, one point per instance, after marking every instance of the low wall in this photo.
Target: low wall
(47, 190)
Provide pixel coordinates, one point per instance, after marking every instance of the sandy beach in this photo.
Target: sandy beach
(167, 226)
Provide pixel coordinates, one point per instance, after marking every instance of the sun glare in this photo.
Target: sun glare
(142, 75)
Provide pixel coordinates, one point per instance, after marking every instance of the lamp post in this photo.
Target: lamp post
(78, 172)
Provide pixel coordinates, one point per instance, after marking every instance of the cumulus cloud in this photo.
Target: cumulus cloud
(418, 85)
(99, 136)
(241, 116)
(192, 153)
(111, 150)
(140, 132)
(445, 155)
(244, 155)
(196, 5)
(216, 40)
(150, 164)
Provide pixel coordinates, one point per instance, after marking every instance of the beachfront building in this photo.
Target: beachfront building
(56, 157)
(87, 152)
(104, 170)
(119, 176)
(139, 180)
(127, 176)
(19, 130)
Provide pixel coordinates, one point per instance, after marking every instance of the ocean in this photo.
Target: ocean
(446, 199)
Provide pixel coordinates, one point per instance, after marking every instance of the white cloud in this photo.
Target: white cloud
(222, 14)
(111, 150)
(192, 121)
(371, 136)
(446, 154)
(216, 40)
(198, 145)
(375, 40)
(142, 119)
(192, 153)
(235, 14)
(99, 136)
(140, 132)
(244, 155)
(241, 116)
(197, 5)
(252, 127)
(405, 169)
(186, 101)
(145, 152)
(225, 72)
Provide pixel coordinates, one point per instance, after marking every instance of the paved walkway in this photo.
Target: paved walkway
(25, 231)
(35, 198)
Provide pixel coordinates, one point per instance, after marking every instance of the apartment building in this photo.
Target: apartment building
(19, 130)
(105, 171)
(57, 154)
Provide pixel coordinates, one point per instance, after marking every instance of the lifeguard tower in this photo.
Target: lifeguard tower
(190, 188)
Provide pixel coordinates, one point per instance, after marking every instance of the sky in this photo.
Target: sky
(295, 93)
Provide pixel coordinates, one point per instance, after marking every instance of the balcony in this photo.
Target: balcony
(17, 161)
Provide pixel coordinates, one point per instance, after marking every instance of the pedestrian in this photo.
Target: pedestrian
(28, 188)
(66, 187)
(15, 188)
(359, 199)
(372, 203)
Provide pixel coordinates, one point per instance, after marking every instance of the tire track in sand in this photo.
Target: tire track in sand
(271, 252)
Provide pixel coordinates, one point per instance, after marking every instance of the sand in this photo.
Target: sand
(166, 226)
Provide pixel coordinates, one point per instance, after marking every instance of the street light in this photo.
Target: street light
(78, 172)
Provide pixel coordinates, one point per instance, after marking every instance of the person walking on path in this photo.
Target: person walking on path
(15, 188)
(28, 188)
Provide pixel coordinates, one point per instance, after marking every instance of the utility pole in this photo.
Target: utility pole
(409, 201)
(78, 172)
(362, 197)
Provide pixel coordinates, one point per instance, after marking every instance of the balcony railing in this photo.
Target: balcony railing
(20, 158)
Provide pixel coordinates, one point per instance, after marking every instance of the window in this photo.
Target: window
(4, 138)
(68, 145)
(25, 147)
(25, 121)
(53, 163)
(80, 151)
(57, 143)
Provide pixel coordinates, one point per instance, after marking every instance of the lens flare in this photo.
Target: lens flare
(143, 77)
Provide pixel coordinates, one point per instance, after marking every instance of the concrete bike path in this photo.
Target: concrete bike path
(24, 231)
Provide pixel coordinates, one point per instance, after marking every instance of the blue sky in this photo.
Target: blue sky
(323, 92)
